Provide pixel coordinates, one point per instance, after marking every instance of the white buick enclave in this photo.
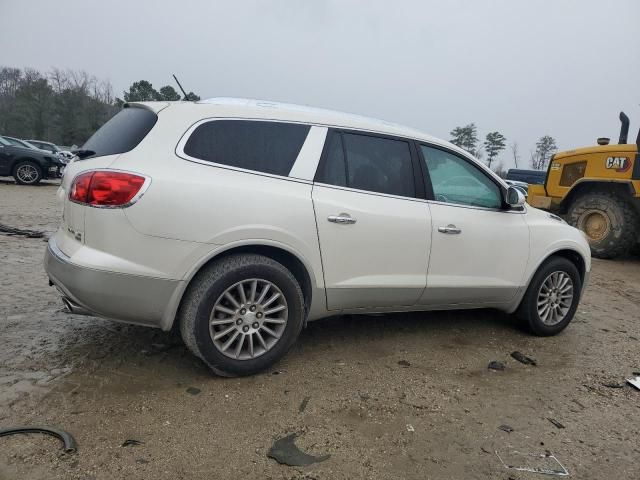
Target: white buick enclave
(237, 221)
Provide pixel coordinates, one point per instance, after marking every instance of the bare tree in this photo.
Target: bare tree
(515, 153)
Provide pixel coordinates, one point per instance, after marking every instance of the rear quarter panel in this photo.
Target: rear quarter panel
(216, 206)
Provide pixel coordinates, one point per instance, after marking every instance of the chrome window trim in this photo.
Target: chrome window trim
(179, 150)
(369, 192)
(474, 207)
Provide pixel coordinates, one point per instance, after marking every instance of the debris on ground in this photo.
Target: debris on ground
(404, 363)
(506, 428)
(613, 385)
(495, 365)
(21, 232)
(524, 359)
(556, 423)
(634, 381)
(193, 390)
(69, 443)
(131, 443)
(285, 451)
(410, 428)
(303, 405)
(545, 463)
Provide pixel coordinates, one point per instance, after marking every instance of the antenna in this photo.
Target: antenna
(180, 86)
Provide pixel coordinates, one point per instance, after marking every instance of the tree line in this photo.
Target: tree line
(466, 137)
(65, 106)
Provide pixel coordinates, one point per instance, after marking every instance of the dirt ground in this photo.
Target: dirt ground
(388, 397)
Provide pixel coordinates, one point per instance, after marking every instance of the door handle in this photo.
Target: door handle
(451, 229)
(342, 218)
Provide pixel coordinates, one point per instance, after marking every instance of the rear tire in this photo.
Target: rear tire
(609, 222)
(27, 172)
(227, 297)
(558, 277)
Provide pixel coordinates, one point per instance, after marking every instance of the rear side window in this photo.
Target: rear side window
(369, 163)
(267, 147)
(122, 133)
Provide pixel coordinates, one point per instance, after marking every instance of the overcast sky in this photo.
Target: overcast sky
(525, 68)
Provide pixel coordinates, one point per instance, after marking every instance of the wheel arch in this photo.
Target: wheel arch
(571, 254)
(17, 161)
(293, 261)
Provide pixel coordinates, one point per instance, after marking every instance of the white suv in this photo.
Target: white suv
(237, 221)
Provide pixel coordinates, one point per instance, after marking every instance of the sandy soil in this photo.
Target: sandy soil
(393, 396)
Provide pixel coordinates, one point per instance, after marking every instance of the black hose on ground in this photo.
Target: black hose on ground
(67, 439)
(21, 231)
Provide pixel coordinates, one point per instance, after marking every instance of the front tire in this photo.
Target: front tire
(27, 173)
(241, 314)
(609, 222)
(552, 297)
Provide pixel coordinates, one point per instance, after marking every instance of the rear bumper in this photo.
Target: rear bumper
(123, 297)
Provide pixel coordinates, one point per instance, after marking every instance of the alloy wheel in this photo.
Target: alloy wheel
(555, 298)
(27, 173)
(248, 319)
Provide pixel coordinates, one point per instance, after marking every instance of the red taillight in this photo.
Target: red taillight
(105, 188)
(80, 187)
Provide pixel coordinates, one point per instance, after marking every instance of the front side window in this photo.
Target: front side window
(455, 180)
(366, 162)
(267, 147)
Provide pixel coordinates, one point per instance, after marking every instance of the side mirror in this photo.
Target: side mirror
(515, 197)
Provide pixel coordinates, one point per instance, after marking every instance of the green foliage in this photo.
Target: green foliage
(466, 138)
(545, 148)
(141, 91)
(168, 93)
(64, 106)
(494, 143)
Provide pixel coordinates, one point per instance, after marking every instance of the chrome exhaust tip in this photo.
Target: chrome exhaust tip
(72, 307)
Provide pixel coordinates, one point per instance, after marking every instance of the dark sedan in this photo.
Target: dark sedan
(27, 165)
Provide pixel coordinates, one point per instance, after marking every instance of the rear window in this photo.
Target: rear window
(267, 147)
(122, 133)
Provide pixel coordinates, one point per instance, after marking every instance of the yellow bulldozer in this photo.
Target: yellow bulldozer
(597, 189)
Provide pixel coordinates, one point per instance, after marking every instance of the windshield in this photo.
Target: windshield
(18, 143)
(50, 147)
(122, 133)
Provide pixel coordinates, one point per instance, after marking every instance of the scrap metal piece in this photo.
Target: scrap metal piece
(496, 365)
(556, 423)
(67, 439)
(634, 382)
(285, 451)
(545, 463)
(524, 359)
(130, 442)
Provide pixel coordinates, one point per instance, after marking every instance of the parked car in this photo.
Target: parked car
(28, 165)
(536, 177)
(20, 143)
(64, 154)
(238, 221)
